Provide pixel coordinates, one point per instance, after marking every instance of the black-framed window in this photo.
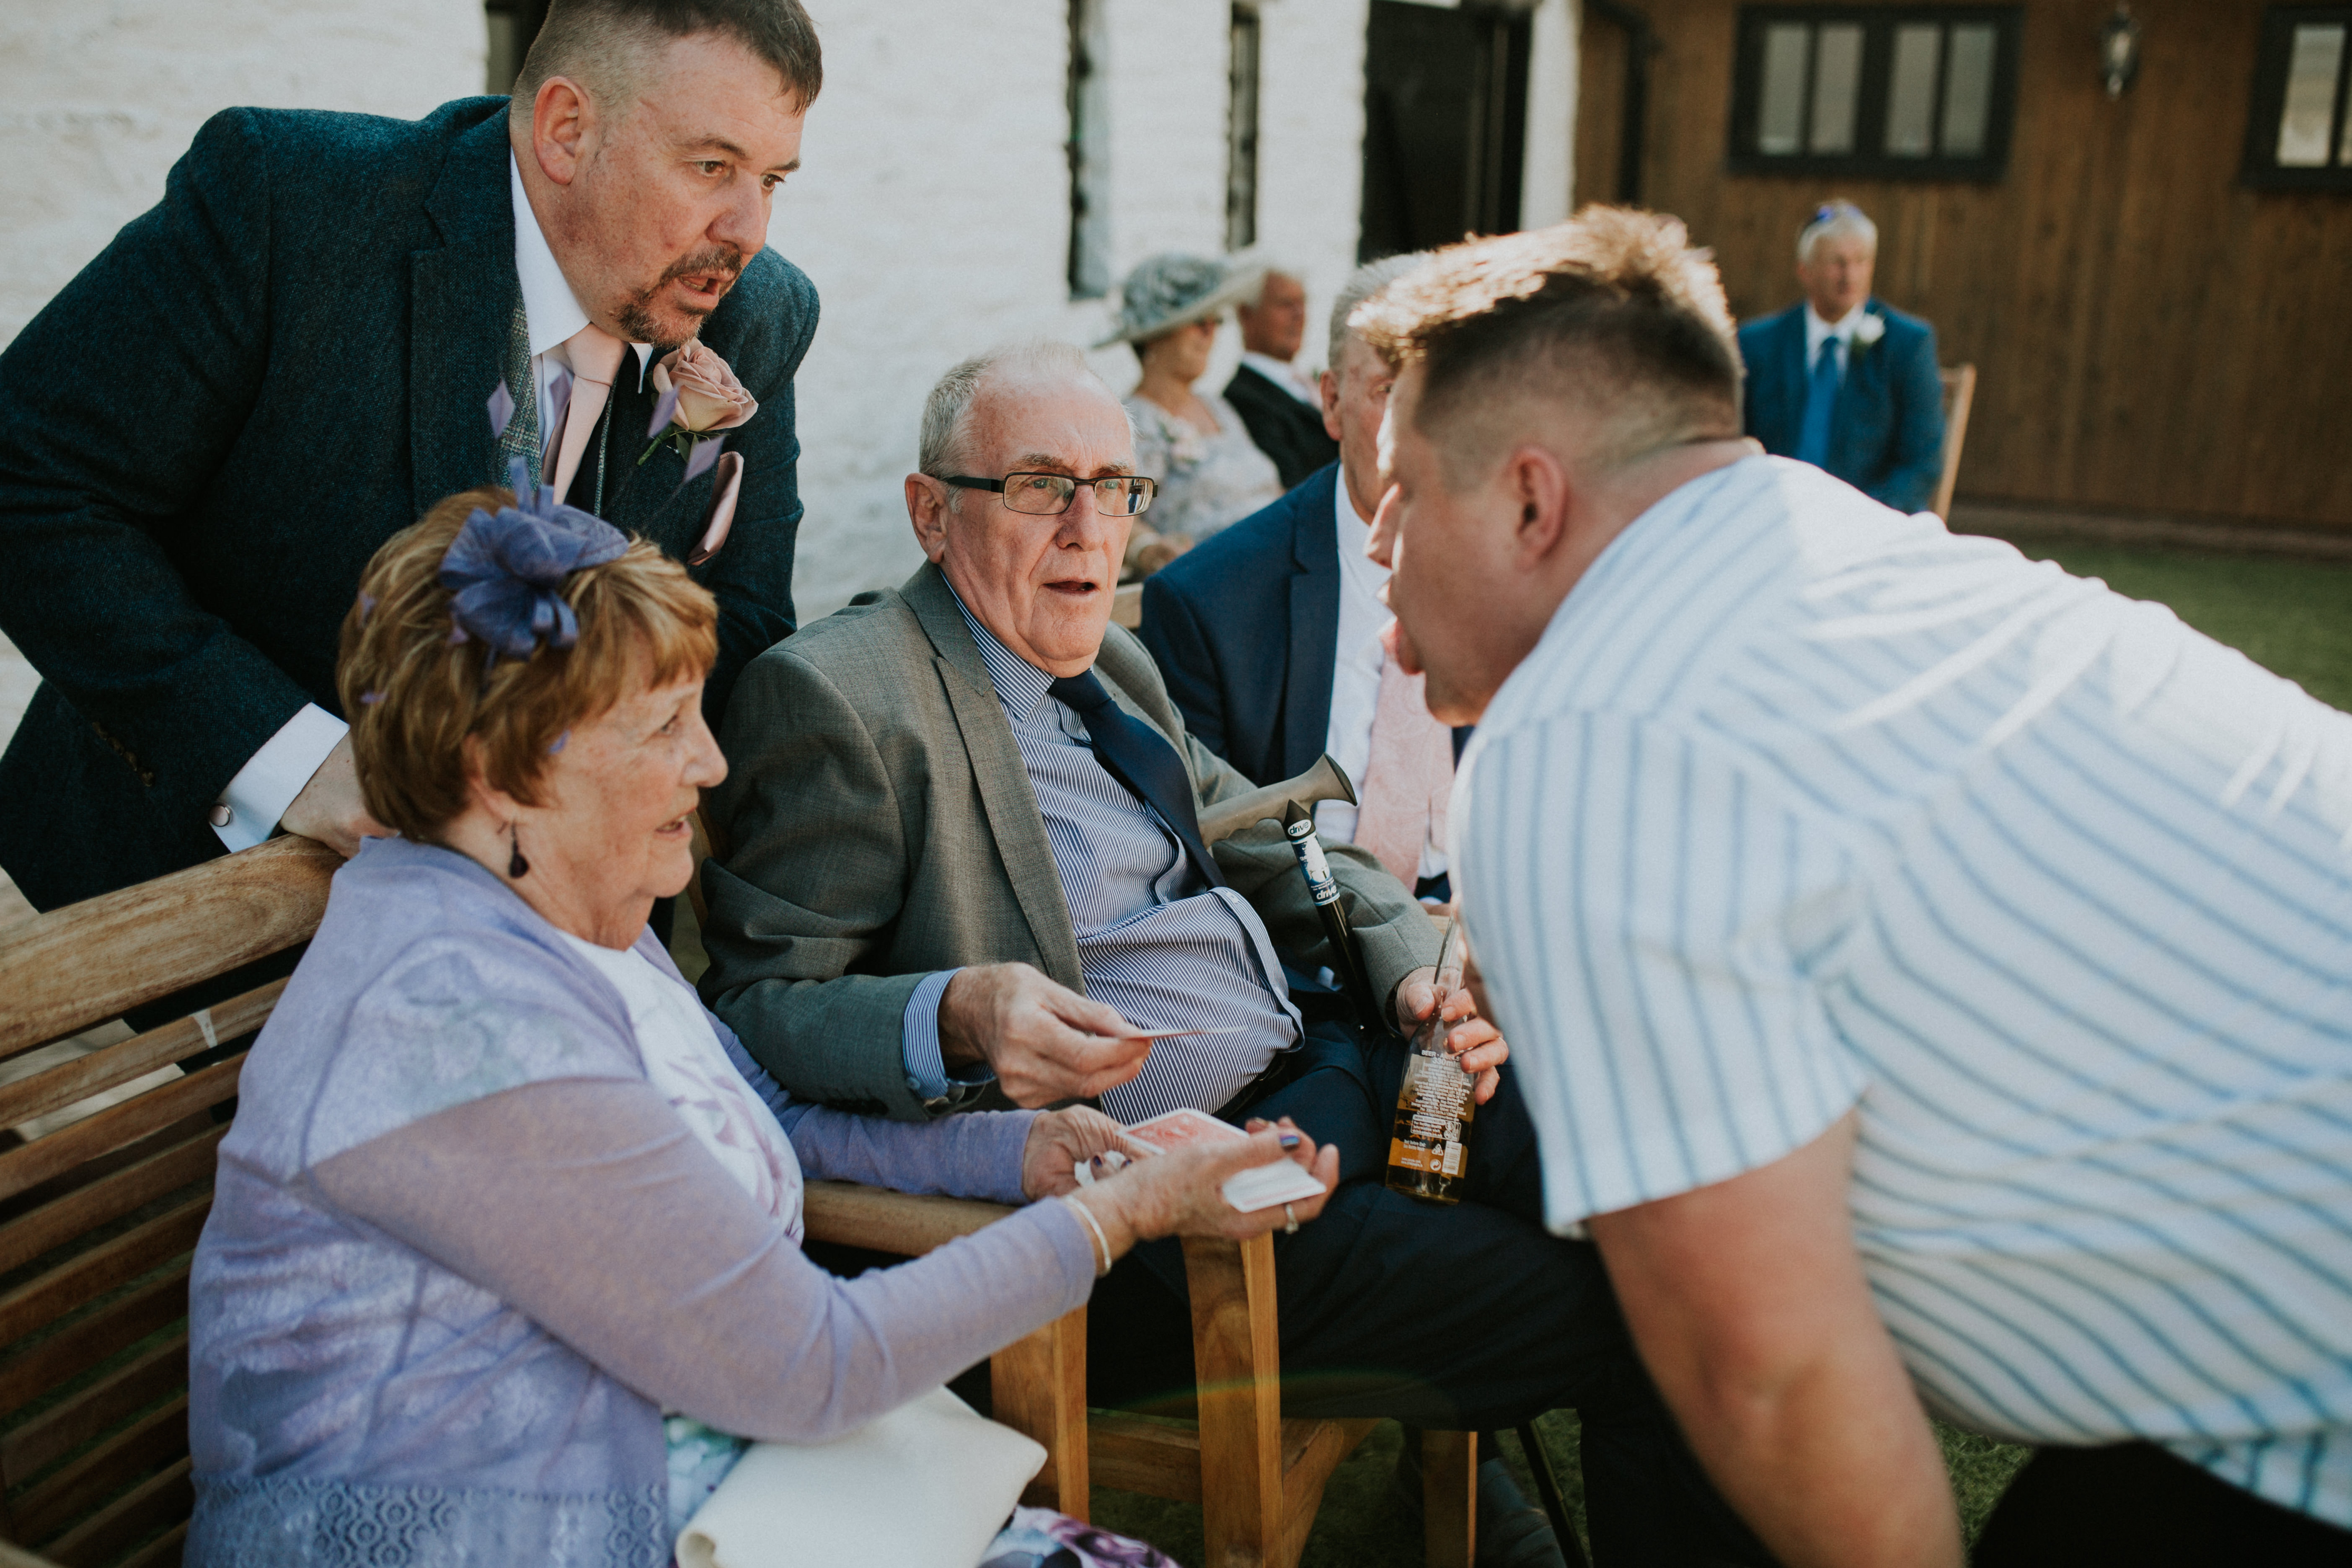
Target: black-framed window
(511, 26)
(1089, 101)
(1925, 92)
(1241, 129)
(2298, 130)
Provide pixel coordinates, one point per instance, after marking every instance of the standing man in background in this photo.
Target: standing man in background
(1277, 401)
(1269, 634)
(205, 435)
(1844, 380)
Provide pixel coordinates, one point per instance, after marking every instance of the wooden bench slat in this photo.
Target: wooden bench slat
(849, 1214)
(116, 1125)
(67, 970)
(83, 1279)
(68, 1083)
(163, 1551)
(130, 1455)
(67, 1425)
(110, 1197)
(77, 1348)
(159, 1500)
(1138, 1454)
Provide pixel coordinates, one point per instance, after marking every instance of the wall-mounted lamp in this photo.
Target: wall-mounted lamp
(2119, 51)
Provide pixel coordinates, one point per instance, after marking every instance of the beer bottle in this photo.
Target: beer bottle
(1429, 1151)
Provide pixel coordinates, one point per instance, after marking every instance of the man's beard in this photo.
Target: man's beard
(637, 318)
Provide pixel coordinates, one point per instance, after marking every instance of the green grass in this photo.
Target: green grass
(2292, 617)
(1363, 1523)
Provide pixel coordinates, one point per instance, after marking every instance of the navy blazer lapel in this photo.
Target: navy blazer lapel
(1313, 626)
(1793, 372)
(461, 306)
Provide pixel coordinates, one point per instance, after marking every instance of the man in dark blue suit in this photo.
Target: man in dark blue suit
(205, 435)
(1269, 634)
(1844, 380)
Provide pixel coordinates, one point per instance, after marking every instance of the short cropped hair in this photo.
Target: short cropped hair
(1835, 219)
(415, 696)
(1363, 283)
(946, 444)
(602, 44)
(1613, 313)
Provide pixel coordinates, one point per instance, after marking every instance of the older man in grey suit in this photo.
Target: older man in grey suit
(966, 865)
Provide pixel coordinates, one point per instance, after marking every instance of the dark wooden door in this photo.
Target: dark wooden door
(1445, 112)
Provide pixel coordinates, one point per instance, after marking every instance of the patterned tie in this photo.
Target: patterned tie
(596, 357)
(520, 438)
(1821, 402)
(1408, 779)
(1132, 751)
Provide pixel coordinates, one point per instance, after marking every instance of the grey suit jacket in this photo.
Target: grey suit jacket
(880, 827)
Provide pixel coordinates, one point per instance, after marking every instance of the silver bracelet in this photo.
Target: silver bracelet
(1094, 1225)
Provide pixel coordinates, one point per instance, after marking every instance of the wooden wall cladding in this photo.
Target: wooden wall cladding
(2151, 336)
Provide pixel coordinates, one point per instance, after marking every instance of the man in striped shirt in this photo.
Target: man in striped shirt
(1931, 974)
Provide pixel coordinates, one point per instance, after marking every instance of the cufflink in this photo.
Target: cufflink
(220, 815)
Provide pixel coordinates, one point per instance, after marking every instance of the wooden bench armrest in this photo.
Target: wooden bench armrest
(849, 1214)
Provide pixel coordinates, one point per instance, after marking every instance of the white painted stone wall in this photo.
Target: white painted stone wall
(932, 212)
(100, 98)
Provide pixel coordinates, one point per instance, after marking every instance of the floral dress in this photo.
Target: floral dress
(1206, 483)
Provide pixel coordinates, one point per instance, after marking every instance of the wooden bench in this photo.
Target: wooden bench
(98, 1219)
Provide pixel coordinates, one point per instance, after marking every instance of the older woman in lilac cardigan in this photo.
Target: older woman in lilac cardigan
(504, 1262)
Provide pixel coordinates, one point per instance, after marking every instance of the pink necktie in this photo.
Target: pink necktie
(1410, 778)
(596, 357)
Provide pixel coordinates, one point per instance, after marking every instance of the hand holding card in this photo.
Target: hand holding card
(1259, 1187)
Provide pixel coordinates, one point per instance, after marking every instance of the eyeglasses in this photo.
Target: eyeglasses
(1049, 495)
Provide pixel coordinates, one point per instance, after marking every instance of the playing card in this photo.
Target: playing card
(1180, 1128)
(1260, 1187)
(1176, 1034)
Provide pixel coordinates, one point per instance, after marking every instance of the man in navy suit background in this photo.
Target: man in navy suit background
(1844, 381)
(205, 435)
(1270, 634)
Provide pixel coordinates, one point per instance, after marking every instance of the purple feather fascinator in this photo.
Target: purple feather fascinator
(507, 567)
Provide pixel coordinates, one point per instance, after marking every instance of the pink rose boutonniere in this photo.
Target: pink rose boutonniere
(699, 398)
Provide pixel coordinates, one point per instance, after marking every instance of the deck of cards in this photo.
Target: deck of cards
(1260, 1187)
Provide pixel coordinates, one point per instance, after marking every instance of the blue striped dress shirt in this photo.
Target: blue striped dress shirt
(1801, 805)
(1154, 941)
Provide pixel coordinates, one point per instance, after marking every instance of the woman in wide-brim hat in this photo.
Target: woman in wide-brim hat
(1211, 473)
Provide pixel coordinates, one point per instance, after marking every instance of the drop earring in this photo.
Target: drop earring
(517, 867)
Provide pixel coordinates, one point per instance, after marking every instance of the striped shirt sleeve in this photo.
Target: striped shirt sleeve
(1654, 925)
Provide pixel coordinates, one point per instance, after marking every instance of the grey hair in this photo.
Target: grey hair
(1835, 220)
(946, 412)
(1363, 283)
(1267, 271)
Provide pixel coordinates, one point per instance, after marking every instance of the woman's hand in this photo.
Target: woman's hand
(1180, 1191)
(1060, 1141)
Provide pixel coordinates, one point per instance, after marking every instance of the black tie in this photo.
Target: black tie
(1134, 754)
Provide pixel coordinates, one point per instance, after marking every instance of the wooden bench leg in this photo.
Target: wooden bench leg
(1038, 1386)
(1449, 1499)
(1237, 1359)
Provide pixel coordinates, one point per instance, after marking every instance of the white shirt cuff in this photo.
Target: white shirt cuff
(274, 775)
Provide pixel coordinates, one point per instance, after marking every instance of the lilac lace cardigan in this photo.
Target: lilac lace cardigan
(462, 1257)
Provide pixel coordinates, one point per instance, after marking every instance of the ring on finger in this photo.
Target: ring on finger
(1290, 1220)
